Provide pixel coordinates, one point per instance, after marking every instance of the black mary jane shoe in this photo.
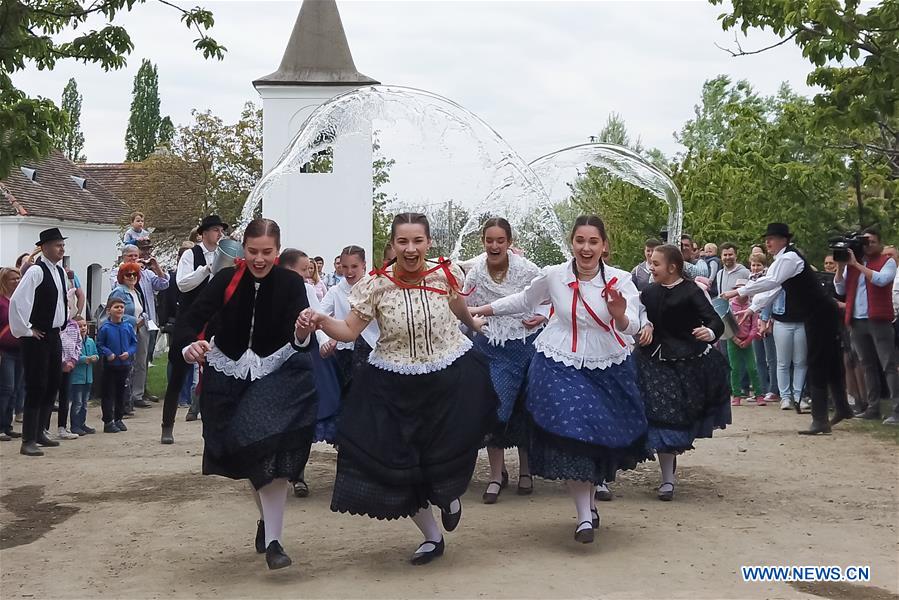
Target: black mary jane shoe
(300, 489)
(596, 519)
(275, 557)
(604, 494)
(522, 490)
(451, 520)
(490, 497)
(423, 557)
(584, 535)
(668, 495)
(260, 537)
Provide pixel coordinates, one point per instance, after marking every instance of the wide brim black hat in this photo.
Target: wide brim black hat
(212, 221)
(778, 229)
(49, 235)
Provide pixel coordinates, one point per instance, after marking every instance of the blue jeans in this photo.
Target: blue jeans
(792, 351)
(12, 387)
(766, 363)
(80, 395)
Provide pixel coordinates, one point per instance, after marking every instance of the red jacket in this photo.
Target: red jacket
(880, 299)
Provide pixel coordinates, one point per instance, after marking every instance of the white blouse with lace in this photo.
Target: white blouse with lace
(483, 289)
(591, 341)
(418, 331)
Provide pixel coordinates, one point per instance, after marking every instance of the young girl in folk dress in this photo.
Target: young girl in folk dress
(508, 342)
(258, 397)
(683, 380)
(582, 392)
(417, 413)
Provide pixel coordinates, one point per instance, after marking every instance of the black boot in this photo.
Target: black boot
(43, 440)
(31, 449)
(168, 434)
(816, 428)
(275, 557)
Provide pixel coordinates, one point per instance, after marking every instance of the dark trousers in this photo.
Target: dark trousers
(42, 360)
(62, 399)
(825, 361)
(115, 385)
(179, 371)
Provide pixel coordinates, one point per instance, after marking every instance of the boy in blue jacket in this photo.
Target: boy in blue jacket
(117, 344)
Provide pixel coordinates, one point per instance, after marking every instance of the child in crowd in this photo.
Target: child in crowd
(70, 339)
(136, 231)
(82, 379)
(740, 352)
(117, 344)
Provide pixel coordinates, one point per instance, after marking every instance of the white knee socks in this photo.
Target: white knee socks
(273, 498)
(582, 494)
(424, 519)
(666, 462)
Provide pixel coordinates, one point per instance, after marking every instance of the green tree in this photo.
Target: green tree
(42, 32)
(142, 134)
(854, 48)
(166, 132)
(71, 142)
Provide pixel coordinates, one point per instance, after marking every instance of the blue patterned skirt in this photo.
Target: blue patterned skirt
(685, 399)
(508, 372)
(588, 424)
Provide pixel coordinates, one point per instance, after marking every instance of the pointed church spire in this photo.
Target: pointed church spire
(317, 53)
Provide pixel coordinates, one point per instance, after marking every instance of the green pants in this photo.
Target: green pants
(741, 358)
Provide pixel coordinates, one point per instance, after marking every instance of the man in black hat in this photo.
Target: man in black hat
(194, 272)
(809, 302)
(37, 310)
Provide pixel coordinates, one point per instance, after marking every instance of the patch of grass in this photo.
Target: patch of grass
(156, 377)
(876, 427)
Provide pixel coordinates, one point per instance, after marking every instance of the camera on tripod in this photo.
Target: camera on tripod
(841, 246)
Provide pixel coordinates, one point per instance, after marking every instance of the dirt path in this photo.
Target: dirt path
(120, 516)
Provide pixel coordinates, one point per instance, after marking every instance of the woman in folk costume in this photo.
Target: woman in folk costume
(508, 343)
(582, 392)
(417, 412)
(257, 394)
(683, 380)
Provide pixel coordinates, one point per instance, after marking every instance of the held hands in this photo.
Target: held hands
(196, 352)
(327, 349)
(479, 324)
(307, 322)
(704, 334)
(645, 337)
(480, 311)
(744, 316)
(764, 328)
(615, 303)
(533, 321)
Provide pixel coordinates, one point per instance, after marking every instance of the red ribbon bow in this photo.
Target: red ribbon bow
(442, 263)
(575, 286)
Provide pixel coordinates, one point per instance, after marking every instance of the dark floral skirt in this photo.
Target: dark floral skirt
(259, 430)
(407, 441)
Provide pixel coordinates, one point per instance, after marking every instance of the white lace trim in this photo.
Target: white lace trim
(579, 361)
(420, 368)
(249, 363)
(501, 329)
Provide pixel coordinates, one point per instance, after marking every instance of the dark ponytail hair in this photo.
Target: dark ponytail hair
(262, 228)
(497, 222)
(407, 218)
(590, 221)
(674, 256)
(353, 251)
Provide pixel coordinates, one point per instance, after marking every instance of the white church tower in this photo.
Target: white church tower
(319, 213)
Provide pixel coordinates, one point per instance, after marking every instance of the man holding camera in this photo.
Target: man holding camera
(152, 279)
(867, 285)
(806, 301)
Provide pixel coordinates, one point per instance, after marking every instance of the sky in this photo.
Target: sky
(545, 75)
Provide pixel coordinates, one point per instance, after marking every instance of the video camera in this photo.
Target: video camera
(841, 246)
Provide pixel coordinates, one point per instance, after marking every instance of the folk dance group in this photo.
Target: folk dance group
(568, 363)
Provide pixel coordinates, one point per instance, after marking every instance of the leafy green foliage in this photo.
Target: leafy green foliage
(71, 142)
(142, 134)
(381, 219)
(42, 32)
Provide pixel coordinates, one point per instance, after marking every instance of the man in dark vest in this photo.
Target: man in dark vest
(37, 310)
(868, 287)
(806, 301)
(194, 272)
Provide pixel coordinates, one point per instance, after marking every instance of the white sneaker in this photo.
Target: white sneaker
(786, 404)
(65, 434)
(769, 397)
(804, 404)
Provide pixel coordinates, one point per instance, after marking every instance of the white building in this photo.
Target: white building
(319, 213)
(55, 192)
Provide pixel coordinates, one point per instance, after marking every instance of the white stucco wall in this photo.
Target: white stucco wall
(319, 213)
(88, 244)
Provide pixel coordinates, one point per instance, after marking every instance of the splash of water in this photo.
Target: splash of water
(447, 163)
(559, 170)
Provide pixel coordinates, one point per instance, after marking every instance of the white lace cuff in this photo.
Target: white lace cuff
(249, 364)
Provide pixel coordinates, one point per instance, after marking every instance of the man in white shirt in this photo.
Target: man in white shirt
(193, 273)
(37, 310)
